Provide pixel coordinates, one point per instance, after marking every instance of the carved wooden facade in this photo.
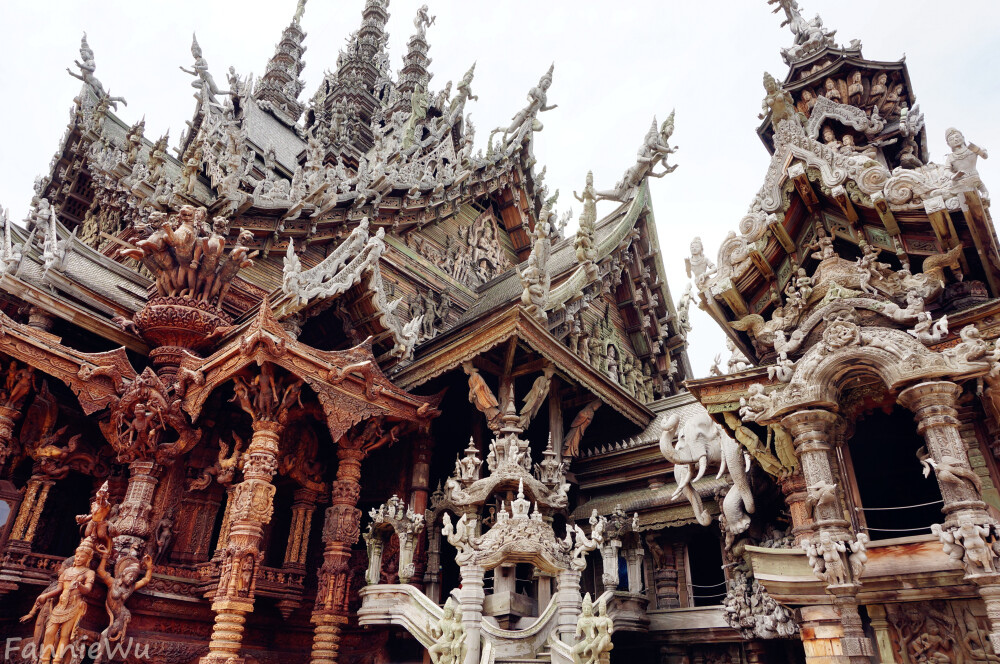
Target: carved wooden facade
(330, 387)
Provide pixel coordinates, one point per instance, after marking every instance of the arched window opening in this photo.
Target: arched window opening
(896, 500)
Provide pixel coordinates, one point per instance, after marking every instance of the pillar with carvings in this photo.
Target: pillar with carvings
(303, 506)
(470, 600)
(934, 407)
(830, 632)
(967, 527)
(341, 530)
(419, 493)
(133, 525)
(35, 495)
(250, 509)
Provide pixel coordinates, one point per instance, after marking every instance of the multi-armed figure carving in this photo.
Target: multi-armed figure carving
(186, 256)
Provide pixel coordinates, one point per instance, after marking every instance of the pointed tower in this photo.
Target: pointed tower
(343, 108)
(414, 72)
(280, 86)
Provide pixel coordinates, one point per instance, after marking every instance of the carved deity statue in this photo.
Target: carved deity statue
(962, 162)
(449, 645)
(594, 634)
(61, 607)
(526, 121)
(698, 266)
(777, 102)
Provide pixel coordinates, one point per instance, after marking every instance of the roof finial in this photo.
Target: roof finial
(810, 36)
(299, 11)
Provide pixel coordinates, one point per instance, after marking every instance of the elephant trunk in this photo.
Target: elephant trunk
(700, 513)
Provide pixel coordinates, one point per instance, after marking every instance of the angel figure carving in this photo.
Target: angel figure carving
(534, 399)
(571, 443)
(480, 394)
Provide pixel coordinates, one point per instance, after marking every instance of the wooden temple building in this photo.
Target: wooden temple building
(322, 383)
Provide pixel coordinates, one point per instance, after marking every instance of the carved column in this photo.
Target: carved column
(298, 534)
(609, 564)
(813, 433)
(934, 409)
(252, 504)
(419, 492)
(35, 494)
(432, 575)
(470, 599)
(633, 557)
(793, 487)
(133, 526)
(829, 633)
(665, 578)
(341, 530)
(967, 525)
(220, 543)
(880, 625)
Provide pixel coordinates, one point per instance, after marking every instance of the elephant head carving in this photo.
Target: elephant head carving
(700, 442)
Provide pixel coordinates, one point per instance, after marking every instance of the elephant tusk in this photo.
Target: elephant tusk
(702, 467)
(746, 457)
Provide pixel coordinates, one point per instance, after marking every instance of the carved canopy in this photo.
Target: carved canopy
(349, 384)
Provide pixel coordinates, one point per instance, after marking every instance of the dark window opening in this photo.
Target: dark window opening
(708, 581)
(889, 475)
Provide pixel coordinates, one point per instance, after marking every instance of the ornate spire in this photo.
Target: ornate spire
(414, 73)
(372, 36)
(280, 86)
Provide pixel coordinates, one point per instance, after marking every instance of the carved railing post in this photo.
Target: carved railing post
(832, 628)
(470, 599)
(341, 530)
(250, 508)
(967, 525)
(568, 604)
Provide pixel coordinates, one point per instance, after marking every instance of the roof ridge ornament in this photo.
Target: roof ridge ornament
(810, 35)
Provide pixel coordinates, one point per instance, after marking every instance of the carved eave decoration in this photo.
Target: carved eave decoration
(853, 198)
(848, 350)
(463, 343)
(96, 378)
(351, 273)
(349, 384)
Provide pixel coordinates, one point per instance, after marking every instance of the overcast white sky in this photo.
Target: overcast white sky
(617, 64)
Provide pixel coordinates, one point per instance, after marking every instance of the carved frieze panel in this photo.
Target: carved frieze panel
(940, 632)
